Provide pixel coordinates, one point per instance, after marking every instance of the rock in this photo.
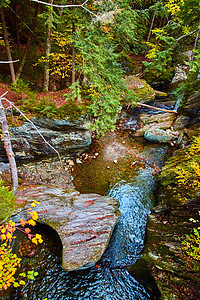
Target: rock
(181, 122)
(180, 73)
(4, 167)
(78, 161)
(162, 136)
(192, 107)
(142, 89)
(165, 254)
(160, 94)
(63, 135)
(84, 223)
(154, 121)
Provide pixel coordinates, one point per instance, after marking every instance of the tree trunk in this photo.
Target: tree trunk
(48, 49)
(5, 36)
(19, 71)
(73, 55)
(195, 43)
(73, 64)
(150, 29)
(8, 148)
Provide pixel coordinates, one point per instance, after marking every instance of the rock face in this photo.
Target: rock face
(63, 135)
(84, 222)
(190, 114)
(161, 136)
(155, 121)
(143, 90)
(175, 273)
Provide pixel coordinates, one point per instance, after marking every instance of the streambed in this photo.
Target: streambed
(124, 169)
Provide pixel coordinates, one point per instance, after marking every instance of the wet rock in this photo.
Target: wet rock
(192, 107)
(182, 122)
(154, 121)
(84, 222)
(63, 135)
(176, 274)
(190, 115)
(162, 136)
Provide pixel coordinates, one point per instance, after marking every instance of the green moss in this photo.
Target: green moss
(7, 201)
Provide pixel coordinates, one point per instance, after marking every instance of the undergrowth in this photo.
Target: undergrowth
(7, 201)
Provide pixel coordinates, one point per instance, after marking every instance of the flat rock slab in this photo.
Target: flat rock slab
(84, 222)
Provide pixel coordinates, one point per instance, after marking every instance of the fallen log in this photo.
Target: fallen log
(157, 108)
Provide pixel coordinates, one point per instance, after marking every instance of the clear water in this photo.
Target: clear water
(109, 279)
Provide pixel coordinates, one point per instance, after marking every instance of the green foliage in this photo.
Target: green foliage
(195, 63)
(188, 174)
(168, 43)
(10, 262)
(22, 87)
(102, 80)
(192, 242)
(7, 201)
(46, 108)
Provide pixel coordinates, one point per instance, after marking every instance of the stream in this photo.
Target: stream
(123, 168)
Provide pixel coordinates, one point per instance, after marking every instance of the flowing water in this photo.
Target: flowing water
(124, 169)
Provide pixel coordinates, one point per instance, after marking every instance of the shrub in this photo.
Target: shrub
(192, 242)
(7, 201)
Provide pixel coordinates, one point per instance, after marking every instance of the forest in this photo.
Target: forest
(87, 47)
(117, 84)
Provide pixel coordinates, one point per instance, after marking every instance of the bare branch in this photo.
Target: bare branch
(185, 35)
(66, 5)
(33, 126)
(8, 61)
(3, 94)
(157, 108)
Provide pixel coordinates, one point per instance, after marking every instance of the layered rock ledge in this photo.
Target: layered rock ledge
(84, 222)
(64, 135)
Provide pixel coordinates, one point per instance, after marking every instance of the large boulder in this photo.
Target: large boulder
(154, 121)
(84, 222)
(63, 135)
(161, 136)
(190, 114)
(142, 89)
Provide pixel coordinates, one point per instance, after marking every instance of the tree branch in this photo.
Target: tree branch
(185, 35)
(156, 108)
(66, 5)
(8, 61)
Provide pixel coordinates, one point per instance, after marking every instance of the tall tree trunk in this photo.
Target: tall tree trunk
(22, 63)
(195, 43)
(150, 29)
(73, 57)
(5, 36)
(48, 49)
(8, 148)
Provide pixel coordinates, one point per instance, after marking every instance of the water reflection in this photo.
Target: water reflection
(109, 279)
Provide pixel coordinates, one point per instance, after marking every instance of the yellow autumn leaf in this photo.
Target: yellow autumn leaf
(31, 222)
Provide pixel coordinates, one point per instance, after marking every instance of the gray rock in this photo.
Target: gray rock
(63, 135)
(180, 74)
(181, 122)
(154, 121)
(4, 167)
(192, 107)
(161, 136)
(84, 223)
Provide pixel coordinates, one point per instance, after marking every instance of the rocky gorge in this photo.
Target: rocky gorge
(175, 274)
